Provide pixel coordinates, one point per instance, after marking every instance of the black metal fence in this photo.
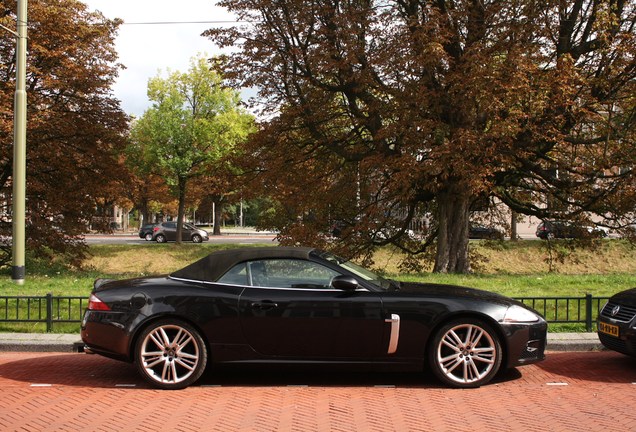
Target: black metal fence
(566, 310)
(46, 309)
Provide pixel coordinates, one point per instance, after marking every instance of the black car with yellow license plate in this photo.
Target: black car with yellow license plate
(283, 305)
(617, 323)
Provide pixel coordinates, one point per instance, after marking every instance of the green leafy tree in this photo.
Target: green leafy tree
(383, 112)
(194, 123)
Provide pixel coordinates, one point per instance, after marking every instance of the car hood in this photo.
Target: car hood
(627, 298)
(456, 291)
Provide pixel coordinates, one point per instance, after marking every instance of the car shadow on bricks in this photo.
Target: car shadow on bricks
(67, 370)
(269, 376)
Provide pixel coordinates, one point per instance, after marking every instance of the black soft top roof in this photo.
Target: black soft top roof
(218, 263)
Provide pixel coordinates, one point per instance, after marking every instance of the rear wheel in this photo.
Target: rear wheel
(465, 353)
(170, 355)
(160, 238)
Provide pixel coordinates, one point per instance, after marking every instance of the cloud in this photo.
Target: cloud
(146, 49)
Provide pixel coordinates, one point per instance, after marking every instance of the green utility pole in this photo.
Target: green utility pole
(19, 149)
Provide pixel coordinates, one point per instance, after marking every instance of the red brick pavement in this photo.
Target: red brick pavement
(592, 391)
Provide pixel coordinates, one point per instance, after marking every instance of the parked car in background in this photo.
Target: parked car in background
(303, 306)
(485, 232)
(564, 229)
(146, 231)
(167, 231)
(617, 323)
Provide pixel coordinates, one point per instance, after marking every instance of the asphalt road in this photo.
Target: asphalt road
(570, 391)
(224, 239)
(134, 239)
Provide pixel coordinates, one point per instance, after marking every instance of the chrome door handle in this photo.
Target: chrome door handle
(395, 333)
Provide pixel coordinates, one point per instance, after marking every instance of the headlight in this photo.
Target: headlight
(518, 314)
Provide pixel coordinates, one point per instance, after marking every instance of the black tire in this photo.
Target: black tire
(160, 238)
(148, 237)
(465, 353)
(196, 238)
(170, 354)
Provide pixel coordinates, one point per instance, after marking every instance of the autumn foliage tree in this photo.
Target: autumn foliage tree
(74, 124)
(380, 112)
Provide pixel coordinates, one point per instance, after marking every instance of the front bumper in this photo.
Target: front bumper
(625, 342)
(526, 343)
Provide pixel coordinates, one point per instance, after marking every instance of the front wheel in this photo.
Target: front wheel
(170, 355)
(196, 238)
(148, 237)
(465, 353)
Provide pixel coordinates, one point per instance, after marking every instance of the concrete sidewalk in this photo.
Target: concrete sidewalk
(41, 342)
(50, 342)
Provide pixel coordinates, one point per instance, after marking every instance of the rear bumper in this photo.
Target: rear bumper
(103, 333)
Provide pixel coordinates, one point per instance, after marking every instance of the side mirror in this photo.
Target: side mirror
(345, 283)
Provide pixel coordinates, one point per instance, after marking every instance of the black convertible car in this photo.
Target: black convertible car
(281, 305)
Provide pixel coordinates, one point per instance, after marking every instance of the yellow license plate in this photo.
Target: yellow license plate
(609, 329)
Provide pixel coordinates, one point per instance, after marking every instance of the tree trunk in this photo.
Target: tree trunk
(452, 238)
(181, 211)
(144, 212)
(218, 214)
(514, 236)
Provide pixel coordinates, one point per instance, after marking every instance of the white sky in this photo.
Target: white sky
(146, 50)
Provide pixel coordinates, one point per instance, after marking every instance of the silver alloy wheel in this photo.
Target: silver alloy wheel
(467, 354)
(197, 238)
(160, 238)
(170, 354)
(148, 237)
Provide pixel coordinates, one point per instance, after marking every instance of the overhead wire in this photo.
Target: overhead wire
(183, 22)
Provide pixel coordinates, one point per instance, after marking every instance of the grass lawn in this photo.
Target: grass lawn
(515, 269)
(512, 268)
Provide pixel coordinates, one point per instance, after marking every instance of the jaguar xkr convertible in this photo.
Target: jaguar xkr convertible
(281, 305)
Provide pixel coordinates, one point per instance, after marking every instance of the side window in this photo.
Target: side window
(237, 275)
(290, 273)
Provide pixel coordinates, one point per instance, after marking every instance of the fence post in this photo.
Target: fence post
(49, 312)
(588, 312)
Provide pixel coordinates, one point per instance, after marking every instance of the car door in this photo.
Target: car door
(170, 230)
(186, 232)
(291, 310)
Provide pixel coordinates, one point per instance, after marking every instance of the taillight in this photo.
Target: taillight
(155, 229)
(95, 303)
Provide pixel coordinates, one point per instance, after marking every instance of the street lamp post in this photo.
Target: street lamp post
(19, 149)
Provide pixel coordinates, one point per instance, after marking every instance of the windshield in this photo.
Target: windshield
(361, 272)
